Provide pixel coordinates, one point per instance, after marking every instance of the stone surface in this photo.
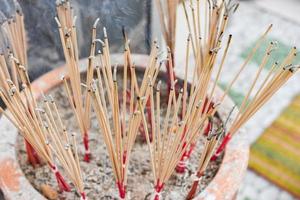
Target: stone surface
(44, 46)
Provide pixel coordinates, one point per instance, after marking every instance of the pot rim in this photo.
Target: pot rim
(221, 187)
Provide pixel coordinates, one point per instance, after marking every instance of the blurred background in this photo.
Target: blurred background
(274, 133)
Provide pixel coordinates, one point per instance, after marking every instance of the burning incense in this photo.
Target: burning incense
(120, 129)
(68, 36)
(21, 110)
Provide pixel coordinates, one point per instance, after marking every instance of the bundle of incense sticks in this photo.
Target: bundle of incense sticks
(206, 34)
(16, 34)
(68, 36)
(61, 144)
(120, 129)
(169, 143)
(21, 111)
(275, 79)
(209, 148)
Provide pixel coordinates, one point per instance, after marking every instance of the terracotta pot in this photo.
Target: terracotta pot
(15, 185)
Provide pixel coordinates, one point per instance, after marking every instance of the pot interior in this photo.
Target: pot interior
(98, 174)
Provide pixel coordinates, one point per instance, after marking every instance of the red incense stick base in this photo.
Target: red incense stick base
(62, 184)
(32, 155)
(221, 148)
(87, 155)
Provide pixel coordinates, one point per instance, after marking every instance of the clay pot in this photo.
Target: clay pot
(15, 185)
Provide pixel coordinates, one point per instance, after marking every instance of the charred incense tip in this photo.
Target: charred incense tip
(294, 68)
(181, 123)
(189, 37)
(63, 78)
(95, 23)
(142, 98)
(175, 81)
(115, 73)
(74, 21)
(45, 124)
(45, 100)
(104, 32)
(40, 110)
(216, 105)
(169, 50)
(67, 146)
(24, 86)
(136, 113)
(287, 67)
(158, 86)
(10, 83)
(57, 22)
(12, 91)
(270, 27)
(124, 32)
(51, 99)
(83, 85)
(236, 7)
(198, 104)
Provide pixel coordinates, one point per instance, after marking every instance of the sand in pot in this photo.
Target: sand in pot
(98, 174)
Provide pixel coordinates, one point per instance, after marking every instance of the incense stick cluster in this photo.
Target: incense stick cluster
(81, 106)
(61, 143)
(120, 128)
(205, 41)
(21, 110)
(271, 83)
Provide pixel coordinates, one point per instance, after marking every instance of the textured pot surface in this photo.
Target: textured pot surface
(16, 186)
